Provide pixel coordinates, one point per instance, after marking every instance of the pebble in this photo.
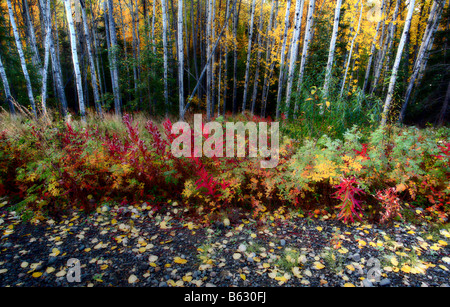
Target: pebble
(385, 282)
(356, 257)
(367, 283)
(242, 248)
(282, 242)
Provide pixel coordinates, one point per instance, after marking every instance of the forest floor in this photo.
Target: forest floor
(136, 246)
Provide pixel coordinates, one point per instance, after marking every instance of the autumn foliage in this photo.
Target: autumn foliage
(385, 175)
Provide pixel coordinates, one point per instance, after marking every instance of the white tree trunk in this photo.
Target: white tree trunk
(30, 29)
(165, 57)
(45, 7)
(390, 94)
(328, 70)
(283, 51)
(307, 40)
(294, 52)
(180, 59)
(113, 61)
(427, 39)
(76, 65)
(6, 88)
(249, 53)
(94, 78)
(22, 58)
(386, 46)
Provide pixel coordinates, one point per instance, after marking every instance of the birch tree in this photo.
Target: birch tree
(306, 41)
(390, 94)
(76, 65)
(6, 88)
(113, 60)
(249, 53)
(180, 59)
(22, 58)
(294, 52)
(45, 8)
(386, 47)
(235, 52)
(94, 78)
(36, 59)
(56, 67)
(165, 57)
(283, 51)
(427, 42)
(208, 64)
(337, 13)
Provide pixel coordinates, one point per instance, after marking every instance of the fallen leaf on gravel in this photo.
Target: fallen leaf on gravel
(36, 274)
(61, 273)
(443, 267)
(318, 265)
(319, 228)
(55, 252)
(394, 261)
(179, 260)
(443, 243)
(343, 250)
(132, 279)
(236, 256)
(152, 258)
(349, 285)
(242, 276)
(406, 268)
(24, 264)
(3, 271)
(446, 260)
(50, 270)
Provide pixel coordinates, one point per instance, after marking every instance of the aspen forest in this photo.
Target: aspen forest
(114, 116)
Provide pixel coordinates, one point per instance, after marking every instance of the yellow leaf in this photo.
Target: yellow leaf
(406, 268)
(243, 276)
(266, 265)
(55, 252)
(350, 267)
(319, 228)
(318, 265)
(349, 285)
(443, 243)
(327, 104)
(187, 278)
(443, 267)
(394, 261)
(37, 274)
(179, 260)
(343, 250)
